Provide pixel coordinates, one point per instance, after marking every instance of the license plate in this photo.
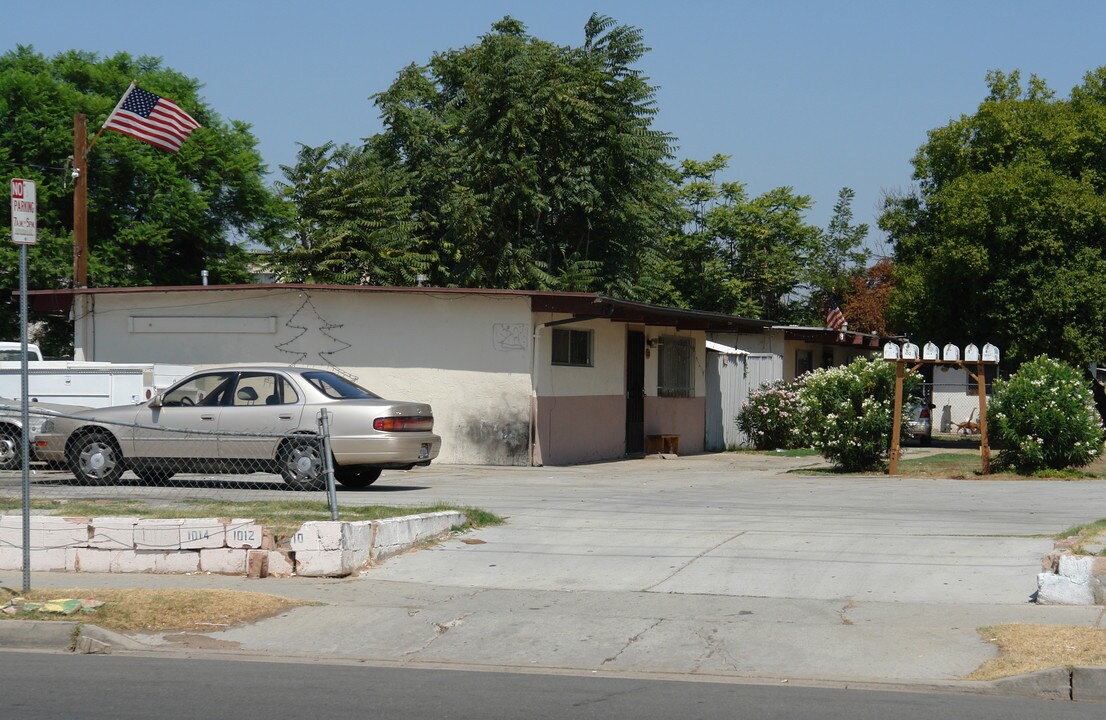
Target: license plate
(424, 451)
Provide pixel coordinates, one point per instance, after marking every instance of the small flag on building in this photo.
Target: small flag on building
(151, 119)
(835, 319)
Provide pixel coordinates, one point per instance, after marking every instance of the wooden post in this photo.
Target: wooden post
(893, 467)
(984, 447)
(80, 204)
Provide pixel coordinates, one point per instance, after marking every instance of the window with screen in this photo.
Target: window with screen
(572, 347)
(674, 368)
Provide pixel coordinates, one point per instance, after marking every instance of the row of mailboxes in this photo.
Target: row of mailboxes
(950, 353)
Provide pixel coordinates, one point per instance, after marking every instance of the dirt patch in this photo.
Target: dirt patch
(146, 610)
(1025, 648)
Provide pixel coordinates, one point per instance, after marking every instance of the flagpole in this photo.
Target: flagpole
(127, 94)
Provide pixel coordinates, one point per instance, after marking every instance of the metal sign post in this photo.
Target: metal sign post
(24, 233)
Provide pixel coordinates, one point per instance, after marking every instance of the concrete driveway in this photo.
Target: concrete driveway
(740, 525)
(710, 565)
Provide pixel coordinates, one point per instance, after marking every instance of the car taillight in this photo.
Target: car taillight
(924, 413)
(404, 424)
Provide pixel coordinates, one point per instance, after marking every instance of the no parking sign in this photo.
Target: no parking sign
(24, 218)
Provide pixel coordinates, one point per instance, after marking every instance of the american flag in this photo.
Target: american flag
(151, 119)
(835, 319)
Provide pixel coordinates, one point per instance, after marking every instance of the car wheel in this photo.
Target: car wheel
(301, 464)
(154, 477)
(10, 454)
(357, 479)
(95, 459)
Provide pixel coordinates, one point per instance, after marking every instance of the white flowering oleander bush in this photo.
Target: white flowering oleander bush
(1044, 417)
(772, 417)
(849, 412)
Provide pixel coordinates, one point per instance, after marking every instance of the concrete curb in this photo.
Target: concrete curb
(1082, 684)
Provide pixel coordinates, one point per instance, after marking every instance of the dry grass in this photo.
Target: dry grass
(1026, 648)
(143, 610)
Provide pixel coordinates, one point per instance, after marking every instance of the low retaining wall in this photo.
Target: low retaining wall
(225, 546)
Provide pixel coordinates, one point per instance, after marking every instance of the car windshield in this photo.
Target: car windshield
(335, 386)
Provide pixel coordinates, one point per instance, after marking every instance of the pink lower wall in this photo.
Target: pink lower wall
(685, 417)
(578, 429)
(590, 428)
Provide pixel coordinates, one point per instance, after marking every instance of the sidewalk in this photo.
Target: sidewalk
(704, 567)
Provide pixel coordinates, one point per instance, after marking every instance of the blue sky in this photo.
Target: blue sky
(815, 95)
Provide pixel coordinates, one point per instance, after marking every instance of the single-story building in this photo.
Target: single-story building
(515, 377)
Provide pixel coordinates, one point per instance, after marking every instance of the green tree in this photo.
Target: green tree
(733, 253)
(694, 267)
(533, 165)
(764, 242)
(835, 259)
(347, 221)
(1004, 237)
(154, 217)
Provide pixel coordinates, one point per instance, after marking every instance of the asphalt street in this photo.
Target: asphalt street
(710, 566)
(120, 688)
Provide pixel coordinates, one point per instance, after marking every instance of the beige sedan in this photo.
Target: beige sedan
(242, 420)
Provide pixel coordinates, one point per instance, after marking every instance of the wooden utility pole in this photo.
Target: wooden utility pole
(900, 374)
(80, 204)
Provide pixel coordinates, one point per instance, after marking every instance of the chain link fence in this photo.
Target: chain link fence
(82, 456)
(955, 415)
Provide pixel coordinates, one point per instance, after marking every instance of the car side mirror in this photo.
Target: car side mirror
(157, 401)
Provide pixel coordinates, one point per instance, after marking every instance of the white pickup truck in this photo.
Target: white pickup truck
(13, 352)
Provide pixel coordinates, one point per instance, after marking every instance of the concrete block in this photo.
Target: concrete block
(114, 533)
(47, 559)
(157, 534)
(1088, 684)
(1077, 567)
(1051, 561)
(132, 561)
(94, 560)
(176, 561)
(280, 565)
(1098, 589)
(1098, 567)
(11, 531)
(324, 563)
(1061, 590)
(223, 561)
(46, 532)
(395, 535)
(358, 534)
(199, 533)
(11, 558)
(244, 533)
(318, 535)
(257, 563)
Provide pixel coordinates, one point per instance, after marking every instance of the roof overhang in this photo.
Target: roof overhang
(584, 306)
(829, 336)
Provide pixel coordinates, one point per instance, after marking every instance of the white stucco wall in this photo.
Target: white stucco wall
(605, 377)
(467, 355)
